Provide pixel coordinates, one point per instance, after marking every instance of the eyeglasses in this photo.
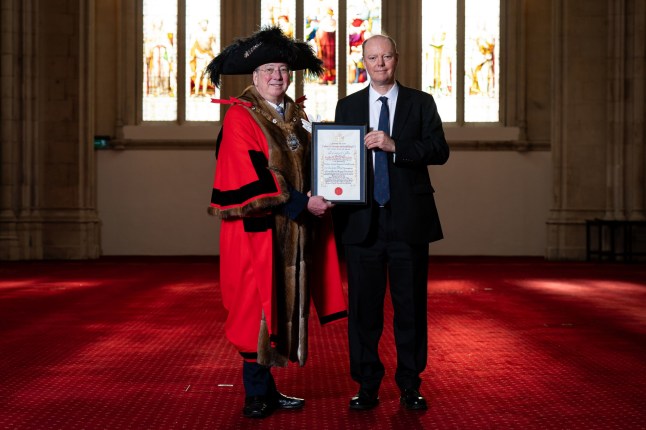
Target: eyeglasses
(270, 70)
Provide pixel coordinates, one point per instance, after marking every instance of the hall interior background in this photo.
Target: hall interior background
(573, 99)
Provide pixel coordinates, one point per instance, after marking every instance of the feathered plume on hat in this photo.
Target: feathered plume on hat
(268, 45)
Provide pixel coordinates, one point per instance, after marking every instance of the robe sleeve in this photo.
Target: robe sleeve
(328, 294)
(244, 185)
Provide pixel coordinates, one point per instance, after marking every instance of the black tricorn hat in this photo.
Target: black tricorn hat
(268, 45)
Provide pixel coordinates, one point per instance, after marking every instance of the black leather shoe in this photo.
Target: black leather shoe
(286, 402)
(257, 407)
(364, 400)
(413, 400)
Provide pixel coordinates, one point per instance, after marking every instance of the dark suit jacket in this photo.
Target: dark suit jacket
(419, 139)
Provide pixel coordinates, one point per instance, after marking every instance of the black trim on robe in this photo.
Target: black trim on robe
(333, 317)
(264, 185)
(257, 224)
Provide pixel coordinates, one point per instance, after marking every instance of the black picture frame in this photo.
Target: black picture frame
(339, 159)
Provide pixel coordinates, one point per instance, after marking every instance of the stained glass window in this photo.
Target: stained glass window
(364, 20)
(162, 75)
(202, 44)
(481, 48)
(160, 60)
(460, 55)
(281, 13)
(320, 31)
(439, 55)
(320, 28)
(479, 27)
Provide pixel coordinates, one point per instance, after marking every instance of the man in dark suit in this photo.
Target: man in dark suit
(388, 237)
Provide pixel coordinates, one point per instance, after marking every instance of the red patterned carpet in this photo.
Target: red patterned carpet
(136, 343)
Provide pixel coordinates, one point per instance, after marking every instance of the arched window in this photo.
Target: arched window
(180, 37)
(461, 58)
(336, 40)
(459, 41)
(281, 13)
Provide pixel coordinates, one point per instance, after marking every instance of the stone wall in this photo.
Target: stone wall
(574, 85)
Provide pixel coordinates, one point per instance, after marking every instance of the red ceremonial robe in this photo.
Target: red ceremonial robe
(270, 265)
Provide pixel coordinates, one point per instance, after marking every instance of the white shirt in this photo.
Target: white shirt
(375, 109)
(275, 106)
(375, 106)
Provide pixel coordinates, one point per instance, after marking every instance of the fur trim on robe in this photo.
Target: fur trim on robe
(254, 183)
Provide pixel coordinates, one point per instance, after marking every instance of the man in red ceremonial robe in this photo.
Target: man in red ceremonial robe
(277, 249)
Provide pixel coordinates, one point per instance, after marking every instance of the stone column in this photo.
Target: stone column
(9, 247)
(578, 123)
(635, 174)
(20, 221)
(597, 118)
(48, 191)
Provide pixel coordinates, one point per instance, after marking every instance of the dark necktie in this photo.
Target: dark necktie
(382, 182)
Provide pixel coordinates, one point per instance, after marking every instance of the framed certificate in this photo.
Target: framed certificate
(339, 162)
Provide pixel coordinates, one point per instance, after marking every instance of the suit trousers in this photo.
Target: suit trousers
(257, 380)
(371, 265)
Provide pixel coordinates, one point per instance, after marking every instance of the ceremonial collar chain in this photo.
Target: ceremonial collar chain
(286, 126)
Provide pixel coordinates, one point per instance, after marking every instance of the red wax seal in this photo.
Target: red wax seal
(338, 191)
